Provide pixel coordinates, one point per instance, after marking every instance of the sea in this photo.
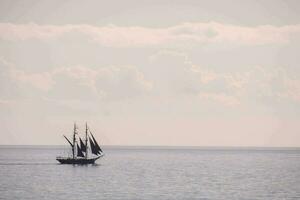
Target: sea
(150, 173)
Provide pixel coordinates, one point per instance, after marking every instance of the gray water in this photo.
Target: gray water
(158, 173)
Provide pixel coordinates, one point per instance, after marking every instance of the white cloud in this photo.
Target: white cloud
(185, 77)
(11, 74)
(121, 82)
(224, 99)
(41, 81)
(185, 33)
(111, 82)
(233, 88)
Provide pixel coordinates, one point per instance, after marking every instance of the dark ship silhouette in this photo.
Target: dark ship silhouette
(83, 152)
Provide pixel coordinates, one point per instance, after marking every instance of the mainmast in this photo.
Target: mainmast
(86, 140)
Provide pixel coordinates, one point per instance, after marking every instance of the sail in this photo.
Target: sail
(99, 150)
(93, 147)
(79, 152)
(69, 141)
(82, 146)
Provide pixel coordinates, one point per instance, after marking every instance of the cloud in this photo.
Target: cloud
(107, 83)
(224, 99)
(232, 88)
(137, 36)
(172, 74)
(292, 91)
(122, 82)
(8, 87)
(11, 74)
(41, 81)
(78, 82)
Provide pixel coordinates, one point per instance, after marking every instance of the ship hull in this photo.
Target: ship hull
(78, 161)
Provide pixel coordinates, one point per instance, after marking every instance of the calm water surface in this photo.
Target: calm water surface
(137, 173)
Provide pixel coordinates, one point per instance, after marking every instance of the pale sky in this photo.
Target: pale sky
(168, 72)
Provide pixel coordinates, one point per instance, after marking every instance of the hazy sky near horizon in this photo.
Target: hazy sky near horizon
(193, 72)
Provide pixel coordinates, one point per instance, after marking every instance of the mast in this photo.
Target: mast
(74, 141)
(86, 140)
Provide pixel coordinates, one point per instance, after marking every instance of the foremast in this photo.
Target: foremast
(74, 140)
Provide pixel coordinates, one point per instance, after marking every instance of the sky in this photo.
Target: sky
(175, 73)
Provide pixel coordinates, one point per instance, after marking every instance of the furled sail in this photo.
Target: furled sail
(82, 146)
(99, 150)
(93, 147)
(79, 152)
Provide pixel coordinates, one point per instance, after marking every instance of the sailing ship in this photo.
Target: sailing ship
(85, 151)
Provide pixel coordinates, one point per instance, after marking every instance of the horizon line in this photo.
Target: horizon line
(161, 146)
